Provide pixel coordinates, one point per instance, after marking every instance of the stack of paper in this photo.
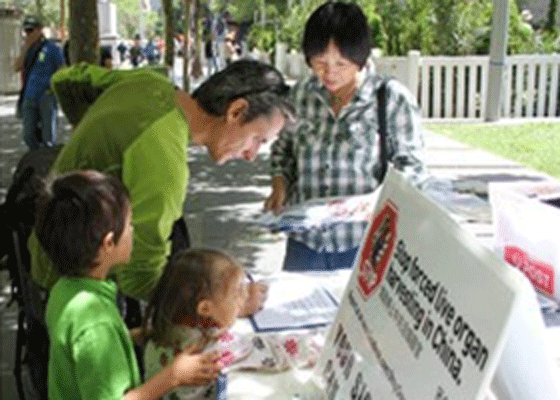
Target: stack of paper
(320, 213)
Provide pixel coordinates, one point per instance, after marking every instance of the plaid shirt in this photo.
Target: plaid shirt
(327, 155)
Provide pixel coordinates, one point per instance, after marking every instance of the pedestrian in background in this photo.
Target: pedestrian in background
(38, 61)
(106, 57)
(151, 52)
(122, 48)
(209, 53)
(136, 53)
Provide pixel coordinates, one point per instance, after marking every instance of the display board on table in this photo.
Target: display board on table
(426, 311)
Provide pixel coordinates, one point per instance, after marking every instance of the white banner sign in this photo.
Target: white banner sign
(426, 310)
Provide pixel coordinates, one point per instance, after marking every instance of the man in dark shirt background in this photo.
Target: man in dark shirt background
(38, 61)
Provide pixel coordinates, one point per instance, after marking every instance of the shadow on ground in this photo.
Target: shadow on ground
(220, 199)
(220, 203)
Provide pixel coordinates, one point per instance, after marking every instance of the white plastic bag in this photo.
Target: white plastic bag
(527, 231)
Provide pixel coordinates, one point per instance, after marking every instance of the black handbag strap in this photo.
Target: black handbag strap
(28, 63)
(382, 123)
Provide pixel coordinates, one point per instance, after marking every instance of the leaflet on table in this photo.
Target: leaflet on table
(295, 302)
(427, 311)
(269, 352)
(318, 213)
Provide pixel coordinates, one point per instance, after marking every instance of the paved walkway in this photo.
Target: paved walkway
(220, 196)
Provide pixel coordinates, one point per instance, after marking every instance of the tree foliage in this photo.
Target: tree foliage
(262, 37)
(551, 16)
(293, 21)
(128, 19)
(47, 10)
(451, 27)
(435, 27)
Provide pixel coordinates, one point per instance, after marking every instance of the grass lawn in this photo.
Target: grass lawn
(533, 144)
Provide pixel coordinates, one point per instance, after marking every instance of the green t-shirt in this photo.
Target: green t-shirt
(135, 131)
(91, 354)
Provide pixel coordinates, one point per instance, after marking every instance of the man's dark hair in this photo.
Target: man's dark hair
(74, 213)
(260, 84)
(345, 24)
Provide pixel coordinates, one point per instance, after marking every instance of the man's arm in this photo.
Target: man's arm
(18, 63)
(30, 39)
(20, 59)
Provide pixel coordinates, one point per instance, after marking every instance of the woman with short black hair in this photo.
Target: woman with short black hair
(335, 148)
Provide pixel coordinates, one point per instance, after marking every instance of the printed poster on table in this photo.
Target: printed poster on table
(426, 310)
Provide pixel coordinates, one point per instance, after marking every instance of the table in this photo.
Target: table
(296, 383)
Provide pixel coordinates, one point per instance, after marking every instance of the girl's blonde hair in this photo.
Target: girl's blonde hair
(189, 277)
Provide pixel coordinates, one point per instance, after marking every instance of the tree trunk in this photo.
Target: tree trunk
(39, 8)
(62, 23)
(551, 16)
(197, 64)
(84, 31)
(169, 33)
(186, 37)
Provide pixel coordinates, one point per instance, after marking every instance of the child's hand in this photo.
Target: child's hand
(194, 369)
(257, 293)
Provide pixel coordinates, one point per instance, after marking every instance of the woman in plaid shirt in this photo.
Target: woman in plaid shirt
(334, 149)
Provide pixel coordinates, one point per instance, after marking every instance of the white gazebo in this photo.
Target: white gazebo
(107, 17)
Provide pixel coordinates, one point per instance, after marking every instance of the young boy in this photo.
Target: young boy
(84, 223)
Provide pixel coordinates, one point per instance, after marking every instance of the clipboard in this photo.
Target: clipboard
(306, 305)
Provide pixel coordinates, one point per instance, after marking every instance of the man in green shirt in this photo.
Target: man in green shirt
(138, 129)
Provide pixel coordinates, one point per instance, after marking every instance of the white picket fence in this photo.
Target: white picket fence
(456, 87)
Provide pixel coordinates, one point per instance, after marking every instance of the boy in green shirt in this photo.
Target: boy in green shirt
(84, 223)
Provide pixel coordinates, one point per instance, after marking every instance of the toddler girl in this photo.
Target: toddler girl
(198, 297)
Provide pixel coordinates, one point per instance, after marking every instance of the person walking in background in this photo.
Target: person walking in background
(232, 48)
(219, 31)
(106, 57)
(336, 148)
(209, 53)
(122, 48)
(136, 53)
(38, 61)
(151, 52)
